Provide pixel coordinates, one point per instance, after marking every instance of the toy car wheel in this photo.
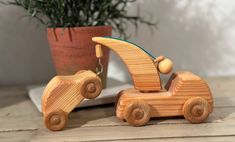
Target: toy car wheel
(196, 109)
(56, 120)
(137, 113)
(91, 87)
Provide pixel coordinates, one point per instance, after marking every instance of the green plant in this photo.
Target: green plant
(78, 13)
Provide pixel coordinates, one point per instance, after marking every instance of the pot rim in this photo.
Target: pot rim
(85, 27)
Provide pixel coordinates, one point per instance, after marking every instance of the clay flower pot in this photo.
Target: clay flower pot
(73, 50)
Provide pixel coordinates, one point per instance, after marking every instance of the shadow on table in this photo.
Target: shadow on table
(12, 95)
(90, 116)
(223, 108)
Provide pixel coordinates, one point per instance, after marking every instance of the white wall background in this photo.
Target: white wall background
(198, 35)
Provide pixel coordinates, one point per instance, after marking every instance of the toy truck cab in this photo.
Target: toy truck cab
(185, 94)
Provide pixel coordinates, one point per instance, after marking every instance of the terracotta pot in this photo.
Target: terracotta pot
(73, 50)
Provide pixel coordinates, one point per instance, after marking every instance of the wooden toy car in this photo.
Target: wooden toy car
(185, 93)
(64, 93)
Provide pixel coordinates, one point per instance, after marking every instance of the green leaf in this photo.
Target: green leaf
(78, 13)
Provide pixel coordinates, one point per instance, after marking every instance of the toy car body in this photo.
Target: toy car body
(64, 93)
(185, 94)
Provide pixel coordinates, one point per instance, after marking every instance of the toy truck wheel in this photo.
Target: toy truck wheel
(117, 99)
(196, 109)
(91, 87)
(56, 120)
(137, 113)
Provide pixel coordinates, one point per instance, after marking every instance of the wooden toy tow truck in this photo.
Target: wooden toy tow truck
(185, 94)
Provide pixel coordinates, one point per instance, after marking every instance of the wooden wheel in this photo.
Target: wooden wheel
(56, 120)
(196, 109)
(137, 113)
(91, 87)
(117, 99)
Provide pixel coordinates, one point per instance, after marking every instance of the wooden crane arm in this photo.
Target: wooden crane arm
(140, 64)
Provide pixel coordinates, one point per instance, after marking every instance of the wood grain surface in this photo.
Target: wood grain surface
(64, 93)
(20, 121)
(140, 65)
(186, 95)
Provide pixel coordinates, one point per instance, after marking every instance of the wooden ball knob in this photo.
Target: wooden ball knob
(165, 66)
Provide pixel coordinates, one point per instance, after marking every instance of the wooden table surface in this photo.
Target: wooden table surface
(20, 121)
